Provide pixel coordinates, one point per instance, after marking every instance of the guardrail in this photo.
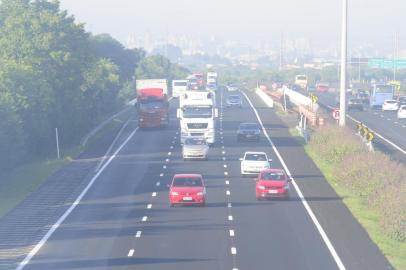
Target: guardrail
(298, 99)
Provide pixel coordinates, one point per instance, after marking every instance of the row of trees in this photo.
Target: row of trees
(53, 74)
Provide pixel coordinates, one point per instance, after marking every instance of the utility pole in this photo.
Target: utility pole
(343, 75)
(281, 54)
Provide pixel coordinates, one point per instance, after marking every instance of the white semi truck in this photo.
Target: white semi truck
(197, 114)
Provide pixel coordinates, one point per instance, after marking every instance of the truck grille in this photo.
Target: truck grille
(197, 125)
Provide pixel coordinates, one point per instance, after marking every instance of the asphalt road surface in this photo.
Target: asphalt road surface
(124, 221)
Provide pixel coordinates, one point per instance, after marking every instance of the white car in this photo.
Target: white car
(402, 112)
(195, 148)
(254, 162)
(390, 105)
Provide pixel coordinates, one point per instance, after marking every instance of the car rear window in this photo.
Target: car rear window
(187, 182)
(249, 126)
(255, 157)
(273, 176)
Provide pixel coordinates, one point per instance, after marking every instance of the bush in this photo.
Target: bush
(334, 144)
(374, 177)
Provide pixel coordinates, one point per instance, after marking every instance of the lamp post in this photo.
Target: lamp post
(343, 75)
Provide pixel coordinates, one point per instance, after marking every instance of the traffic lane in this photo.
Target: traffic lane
(97, 232)
(274, 233)
(385, 123)
(349, 239)
(187, 237)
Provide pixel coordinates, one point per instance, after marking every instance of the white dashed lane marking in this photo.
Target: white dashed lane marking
(169, 153)
(158, 184)
(225, 165)
(144, 219)
(167, 160)
(161, 175)
(225, 173)
(230, 218)
(149, 206)
(229, 205)
(228, 193)
(164, 167)
(227, 182)
(232, 233)
(138, 235)
(153, 194)
(233, 251)
(131, 253)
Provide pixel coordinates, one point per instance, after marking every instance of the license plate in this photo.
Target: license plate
(187, 198)
(272, 191)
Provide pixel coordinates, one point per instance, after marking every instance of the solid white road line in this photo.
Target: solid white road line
(299, 192)
(138, 235)
(380, 136)
(144, 218)
(44, 239)
(131, 253)
(111, 145)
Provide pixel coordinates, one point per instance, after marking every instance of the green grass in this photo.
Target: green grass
(17, 184)
(393, 250)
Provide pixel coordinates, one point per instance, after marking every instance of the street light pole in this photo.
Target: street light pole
(343, 75)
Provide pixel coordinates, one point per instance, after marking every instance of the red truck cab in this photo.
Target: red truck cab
(152, 108)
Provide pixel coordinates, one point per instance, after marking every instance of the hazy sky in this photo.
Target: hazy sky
(371, 21)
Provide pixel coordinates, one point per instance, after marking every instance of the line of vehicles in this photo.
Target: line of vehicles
(197, 113)
(375, 96)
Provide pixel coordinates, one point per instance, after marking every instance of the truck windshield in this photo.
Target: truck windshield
(152, 105)
(197, 112)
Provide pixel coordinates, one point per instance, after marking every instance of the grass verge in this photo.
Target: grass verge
(394, 250)
(19, 183)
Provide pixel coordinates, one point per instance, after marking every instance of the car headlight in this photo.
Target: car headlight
(261, 187)
(163, 118)
(174, 193)
(201, 193)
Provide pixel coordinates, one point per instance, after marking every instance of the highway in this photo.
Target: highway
(385, 123)
(123, 220)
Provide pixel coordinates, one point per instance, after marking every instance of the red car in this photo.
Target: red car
(187, 189)
(272, 183)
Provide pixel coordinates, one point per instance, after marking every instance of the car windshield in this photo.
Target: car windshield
(255, 157)
(180, 83)
(273, 176)
(197, 112)
(195, 141)
(187, 182)
(391, 101)
(249, 126)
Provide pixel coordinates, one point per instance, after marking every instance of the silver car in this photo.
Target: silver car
(195, 148)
